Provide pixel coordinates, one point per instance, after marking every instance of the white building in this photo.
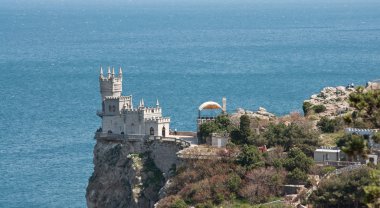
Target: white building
(120, 117)
(327, 154)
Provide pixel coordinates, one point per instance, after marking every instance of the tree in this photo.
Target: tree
(353, 146)
(372, 191)
(306, 108)
(250, 157)
(206, 129)
(367, 106)
(290, 136)
(376, 137)
(298, 159)
(345, 190)
(243, 135)
(245, 126)
(328, 125)
(224, 123)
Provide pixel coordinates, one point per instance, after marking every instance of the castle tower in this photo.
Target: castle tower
(110, 85)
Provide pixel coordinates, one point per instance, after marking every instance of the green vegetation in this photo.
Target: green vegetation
(243, 176)
(353, 146)
(367, 108)
(221, 124)
(293, 135)
(306, 107)
(243, 135)
(309, 108)
(357, 188)
(298, 165)
(250, 157)
(328, 125)
(319, 108)
(330, 139)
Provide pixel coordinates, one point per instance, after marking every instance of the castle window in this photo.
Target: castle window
(163, 132)
(151, 131)
(152, 111)
(103, 107)
(113, 108)
(109, 108)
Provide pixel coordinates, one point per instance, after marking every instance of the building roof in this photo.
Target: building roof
(327, 150)
(209, 105)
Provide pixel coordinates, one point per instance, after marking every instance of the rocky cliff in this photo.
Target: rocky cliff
(130, 174)
(331, 102)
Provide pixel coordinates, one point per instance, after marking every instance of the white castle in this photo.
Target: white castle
(119, 117)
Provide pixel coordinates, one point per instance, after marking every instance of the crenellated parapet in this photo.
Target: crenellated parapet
(158, 119)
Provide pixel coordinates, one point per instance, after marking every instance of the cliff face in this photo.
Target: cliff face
(130, 174)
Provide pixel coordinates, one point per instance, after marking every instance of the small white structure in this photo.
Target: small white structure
(120, 117)
(371, 158)
(218, 140)
(210, 105)
(327, 154)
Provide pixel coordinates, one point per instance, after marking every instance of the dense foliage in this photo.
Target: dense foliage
(298, 165)
(221, 124)
(348, 190)
(328, 125)
(353, 146)
(367, 107)
(292, 135)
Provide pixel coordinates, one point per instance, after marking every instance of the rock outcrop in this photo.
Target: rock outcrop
(373, 85)
(130, 174)
(331, 102)
(261, 113)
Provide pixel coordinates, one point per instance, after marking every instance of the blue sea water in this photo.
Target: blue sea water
(256, 53)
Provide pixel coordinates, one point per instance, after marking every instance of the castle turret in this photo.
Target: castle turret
(110, 85)
(224, 105)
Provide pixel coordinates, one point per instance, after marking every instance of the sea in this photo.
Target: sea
(273, 54)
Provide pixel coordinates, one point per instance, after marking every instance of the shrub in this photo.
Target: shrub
(328, 125)
(297, 176)
(173, 201)
(298, 159)
(179, 203)
(306, 108)
(290, 136)
(233, 182)
(250, 157)
(376, 137)
(319, 108)
(344, 190)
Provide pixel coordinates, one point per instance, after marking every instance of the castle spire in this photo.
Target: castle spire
(109, 72)
(142, 102)
(101, 72)
(113, 71)
(120, 72)
(157, 103)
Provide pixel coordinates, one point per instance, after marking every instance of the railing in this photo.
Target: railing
(182, 142)
(340, 163)
(139, 137)
(120, 137)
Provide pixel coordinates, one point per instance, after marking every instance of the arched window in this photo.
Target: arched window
(113, 108)
(151, 131)
(163, 132)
